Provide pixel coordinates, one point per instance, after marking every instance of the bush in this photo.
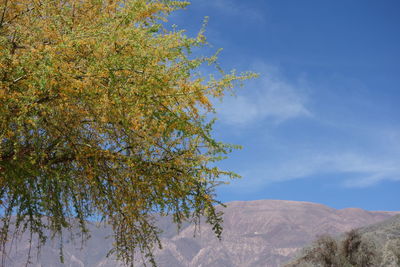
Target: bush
(353, 250)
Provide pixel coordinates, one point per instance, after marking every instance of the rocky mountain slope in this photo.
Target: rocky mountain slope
(256, 233)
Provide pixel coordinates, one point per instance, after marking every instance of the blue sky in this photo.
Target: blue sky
(322, 122)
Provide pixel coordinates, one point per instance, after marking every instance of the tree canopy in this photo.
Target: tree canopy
(104, 114)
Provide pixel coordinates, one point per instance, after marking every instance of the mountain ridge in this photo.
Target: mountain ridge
(256, 233)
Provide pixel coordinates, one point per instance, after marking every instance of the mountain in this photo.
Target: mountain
(256, 233)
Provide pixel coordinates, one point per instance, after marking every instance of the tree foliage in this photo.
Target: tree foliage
(103, 114)
(352, 251)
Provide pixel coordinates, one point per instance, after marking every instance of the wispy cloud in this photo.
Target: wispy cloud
(364, 170)
(270, 97)
(360, 153)
(354, 169)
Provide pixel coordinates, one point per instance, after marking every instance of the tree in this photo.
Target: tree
(104, 114)
(353, 250)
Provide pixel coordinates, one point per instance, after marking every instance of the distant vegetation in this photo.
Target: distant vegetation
(354, 250)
